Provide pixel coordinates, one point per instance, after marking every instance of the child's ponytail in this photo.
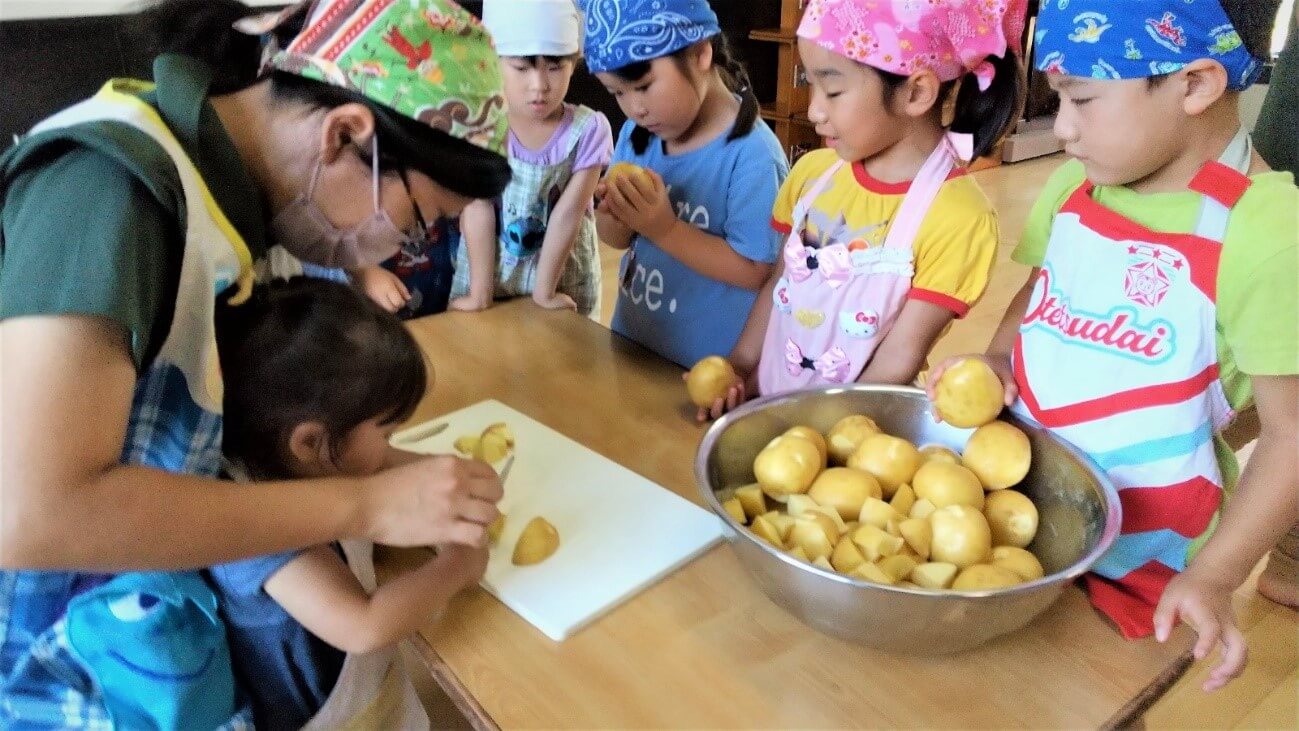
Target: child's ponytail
(990, 114)
(734, 75)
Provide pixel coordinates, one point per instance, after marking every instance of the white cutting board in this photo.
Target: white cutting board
(619, 533)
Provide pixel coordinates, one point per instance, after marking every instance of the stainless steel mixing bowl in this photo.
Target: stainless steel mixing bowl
(1077, 505)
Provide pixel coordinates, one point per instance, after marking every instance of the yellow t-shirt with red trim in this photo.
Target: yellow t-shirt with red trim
(954, 248)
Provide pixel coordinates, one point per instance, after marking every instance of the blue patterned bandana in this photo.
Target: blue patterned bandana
(622, 32)
(1138, 39)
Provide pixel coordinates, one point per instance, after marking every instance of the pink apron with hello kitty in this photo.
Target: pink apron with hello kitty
(834, 305)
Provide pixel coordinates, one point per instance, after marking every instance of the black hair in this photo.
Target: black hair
(310, 350)
(988, 115)
(573, 58)
(203, 29)
(1253, 20)
(733, 72)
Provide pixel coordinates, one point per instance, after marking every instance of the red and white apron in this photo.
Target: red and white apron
(1117, 354)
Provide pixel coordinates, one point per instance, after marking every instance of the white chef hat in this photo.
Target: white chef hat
(534, 27)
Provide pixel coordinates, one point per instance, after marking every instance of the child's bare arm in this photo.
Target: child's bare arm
(748, 349)
(1003, 341)
(1264, 507)
(712, 256)
(561, 233)
(747, 353)
(643, 205)
(478, 224)
(319, 591)
(902, 354)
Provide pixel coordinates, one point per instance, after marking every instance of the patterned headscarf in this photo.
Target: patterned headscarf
(1138, 39)
(949, 37)
(429, 60)
(622, 32)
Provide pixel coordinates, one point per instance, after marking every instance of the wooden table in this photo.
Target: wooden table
(705, 648)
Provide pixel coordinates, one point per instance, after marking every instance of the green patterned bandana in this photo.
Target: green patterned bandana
(427, 59)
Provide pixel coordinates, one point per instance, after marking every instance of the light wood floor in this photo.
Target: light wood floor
(1265, 697)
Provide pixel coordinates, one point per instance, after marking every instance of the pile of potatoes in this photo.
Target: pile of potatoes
(878, 508)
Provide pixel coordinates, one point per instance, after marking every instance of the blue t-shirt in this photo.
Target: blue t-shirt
(288, 671)
(727, 189)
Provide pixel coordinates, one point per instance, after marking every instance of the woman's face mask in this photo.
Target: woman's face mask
(304, 231)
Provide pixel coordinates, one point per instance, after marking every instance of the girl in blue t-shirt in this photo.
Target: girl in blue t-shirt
(695, 225)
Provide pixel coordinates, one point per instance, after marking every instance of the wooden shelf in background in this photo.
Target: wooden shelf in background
(774, 35)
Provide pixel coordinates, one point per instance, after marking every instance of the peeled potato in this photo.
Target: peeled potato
(816, 534)
(1018, 560)
(907, 550)
(847, 434)
(969, 394)
(940, 453)
(822, 562)
(844, 490)
(982, 577)
(898, 566)
(709, 380)
(798, 553)
(960, 536)
(495, 529)
(466, 445)
(768, 532)
(787, 466)
(934, 575)
(750, 497)
(918, 534)
(872, 573)
(1012, 517)
(824, 520)
(847, 556)
(922, 509)
(734, 509)
(625, 169)
(538, 542)
(813, 436)
(783, 524)
(796, 505)
(495, 443)
(839, 523)
(876, 512)
(943, 484)
(891, 460)
(999, 454)
(903, 499)
(875, 543)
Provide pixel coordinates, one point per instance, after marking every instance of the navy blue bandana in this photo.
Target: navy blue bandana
(622, 32)
(1137, 39)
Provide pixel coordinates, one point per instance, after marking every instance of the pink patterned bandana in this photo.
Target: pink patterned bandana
(950, 37)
